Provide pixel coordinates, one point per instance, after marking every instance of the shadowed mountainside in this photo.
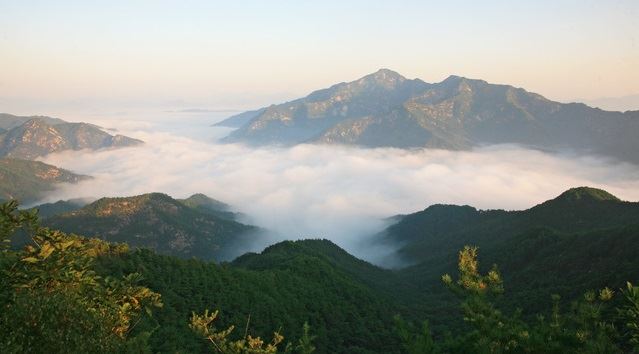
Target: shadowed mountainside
(28, 181)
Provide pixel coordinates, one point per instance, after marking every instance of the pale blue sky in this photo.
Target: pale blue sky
(249, 53)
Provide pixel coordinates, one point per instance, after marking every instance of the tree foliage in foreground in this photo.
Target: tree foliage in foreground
(221, 343)
(589, 326)
(53, 301)
(55, 297)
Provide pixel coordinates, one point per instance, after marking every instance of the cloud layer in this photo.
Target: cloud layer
(339, 193)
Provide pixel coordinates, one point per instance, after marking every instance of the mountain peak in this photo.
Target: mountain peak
(385, 109)
(586, 193)
(389, 72)
(121, 206)
(200, 200)
(455, 80)
(385, 77)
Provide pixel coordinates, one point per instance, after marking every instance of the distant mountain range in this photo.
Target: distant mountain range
(31, 137)
(195, 227)
(384, 109)
(27, 181)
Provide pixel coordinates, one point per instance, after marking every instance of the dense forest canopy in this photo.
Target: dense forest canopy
(69, 293)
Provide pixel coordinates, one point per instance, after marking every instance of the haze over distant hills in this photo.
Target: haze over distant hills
(622, 103)
(31, 137)
(384, 109)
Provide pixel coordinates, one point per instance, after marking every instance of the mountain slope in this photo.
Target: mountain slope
(279, 255)
(158, 222)
(43, 135)
(47, 210)
(449, 227)
(385, 109)
(239, 120)
(306, 118)
(346, 315)
(583, 239)
(28, 181)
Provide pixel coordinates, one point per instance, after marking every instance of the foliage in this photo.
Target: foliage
(221, 342)
(286, 291)
(203, 325)
(66, 293)
(414, 341)
(630, 315)
(305, 343)
(584, 239)
(10, 221)
(587, 327)
(53, 300)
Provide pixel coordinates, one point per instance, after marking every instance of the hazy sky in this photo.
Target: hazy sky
(243, 54)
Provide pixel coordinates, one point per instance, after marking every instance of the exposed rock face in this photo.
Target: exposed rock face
(43, 135)
(384, 109)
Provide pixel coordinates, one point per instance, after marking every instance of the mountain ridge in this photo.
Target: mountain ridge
(31, 137)
(159, 222)
(575, 210)
(385, 109)
(28, 181)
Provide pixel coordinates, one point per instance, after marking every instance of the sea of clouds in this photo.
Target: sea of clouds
(317, 191)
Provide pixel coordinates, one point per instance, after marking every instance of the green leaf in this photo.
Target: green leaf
(30, 260)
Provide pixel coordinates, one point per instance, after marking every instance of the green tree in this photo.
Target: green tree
(630, 315)
(305, 343)
(414, 341)
(52, 299)
(585, 328)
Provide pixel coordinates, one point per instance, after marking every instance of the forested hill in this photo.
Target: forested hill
(55, 285)
(445, 228)
(583, 239)
(282, 255)
(28, 181)
(168, 226)
(346, 315)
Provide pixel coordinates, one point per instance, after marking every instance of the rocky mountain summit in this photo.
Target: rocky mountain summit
(385, 109)
(31, 137)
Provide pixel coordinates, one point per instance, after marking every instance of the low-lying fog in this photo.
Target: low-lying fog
(339, 193)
